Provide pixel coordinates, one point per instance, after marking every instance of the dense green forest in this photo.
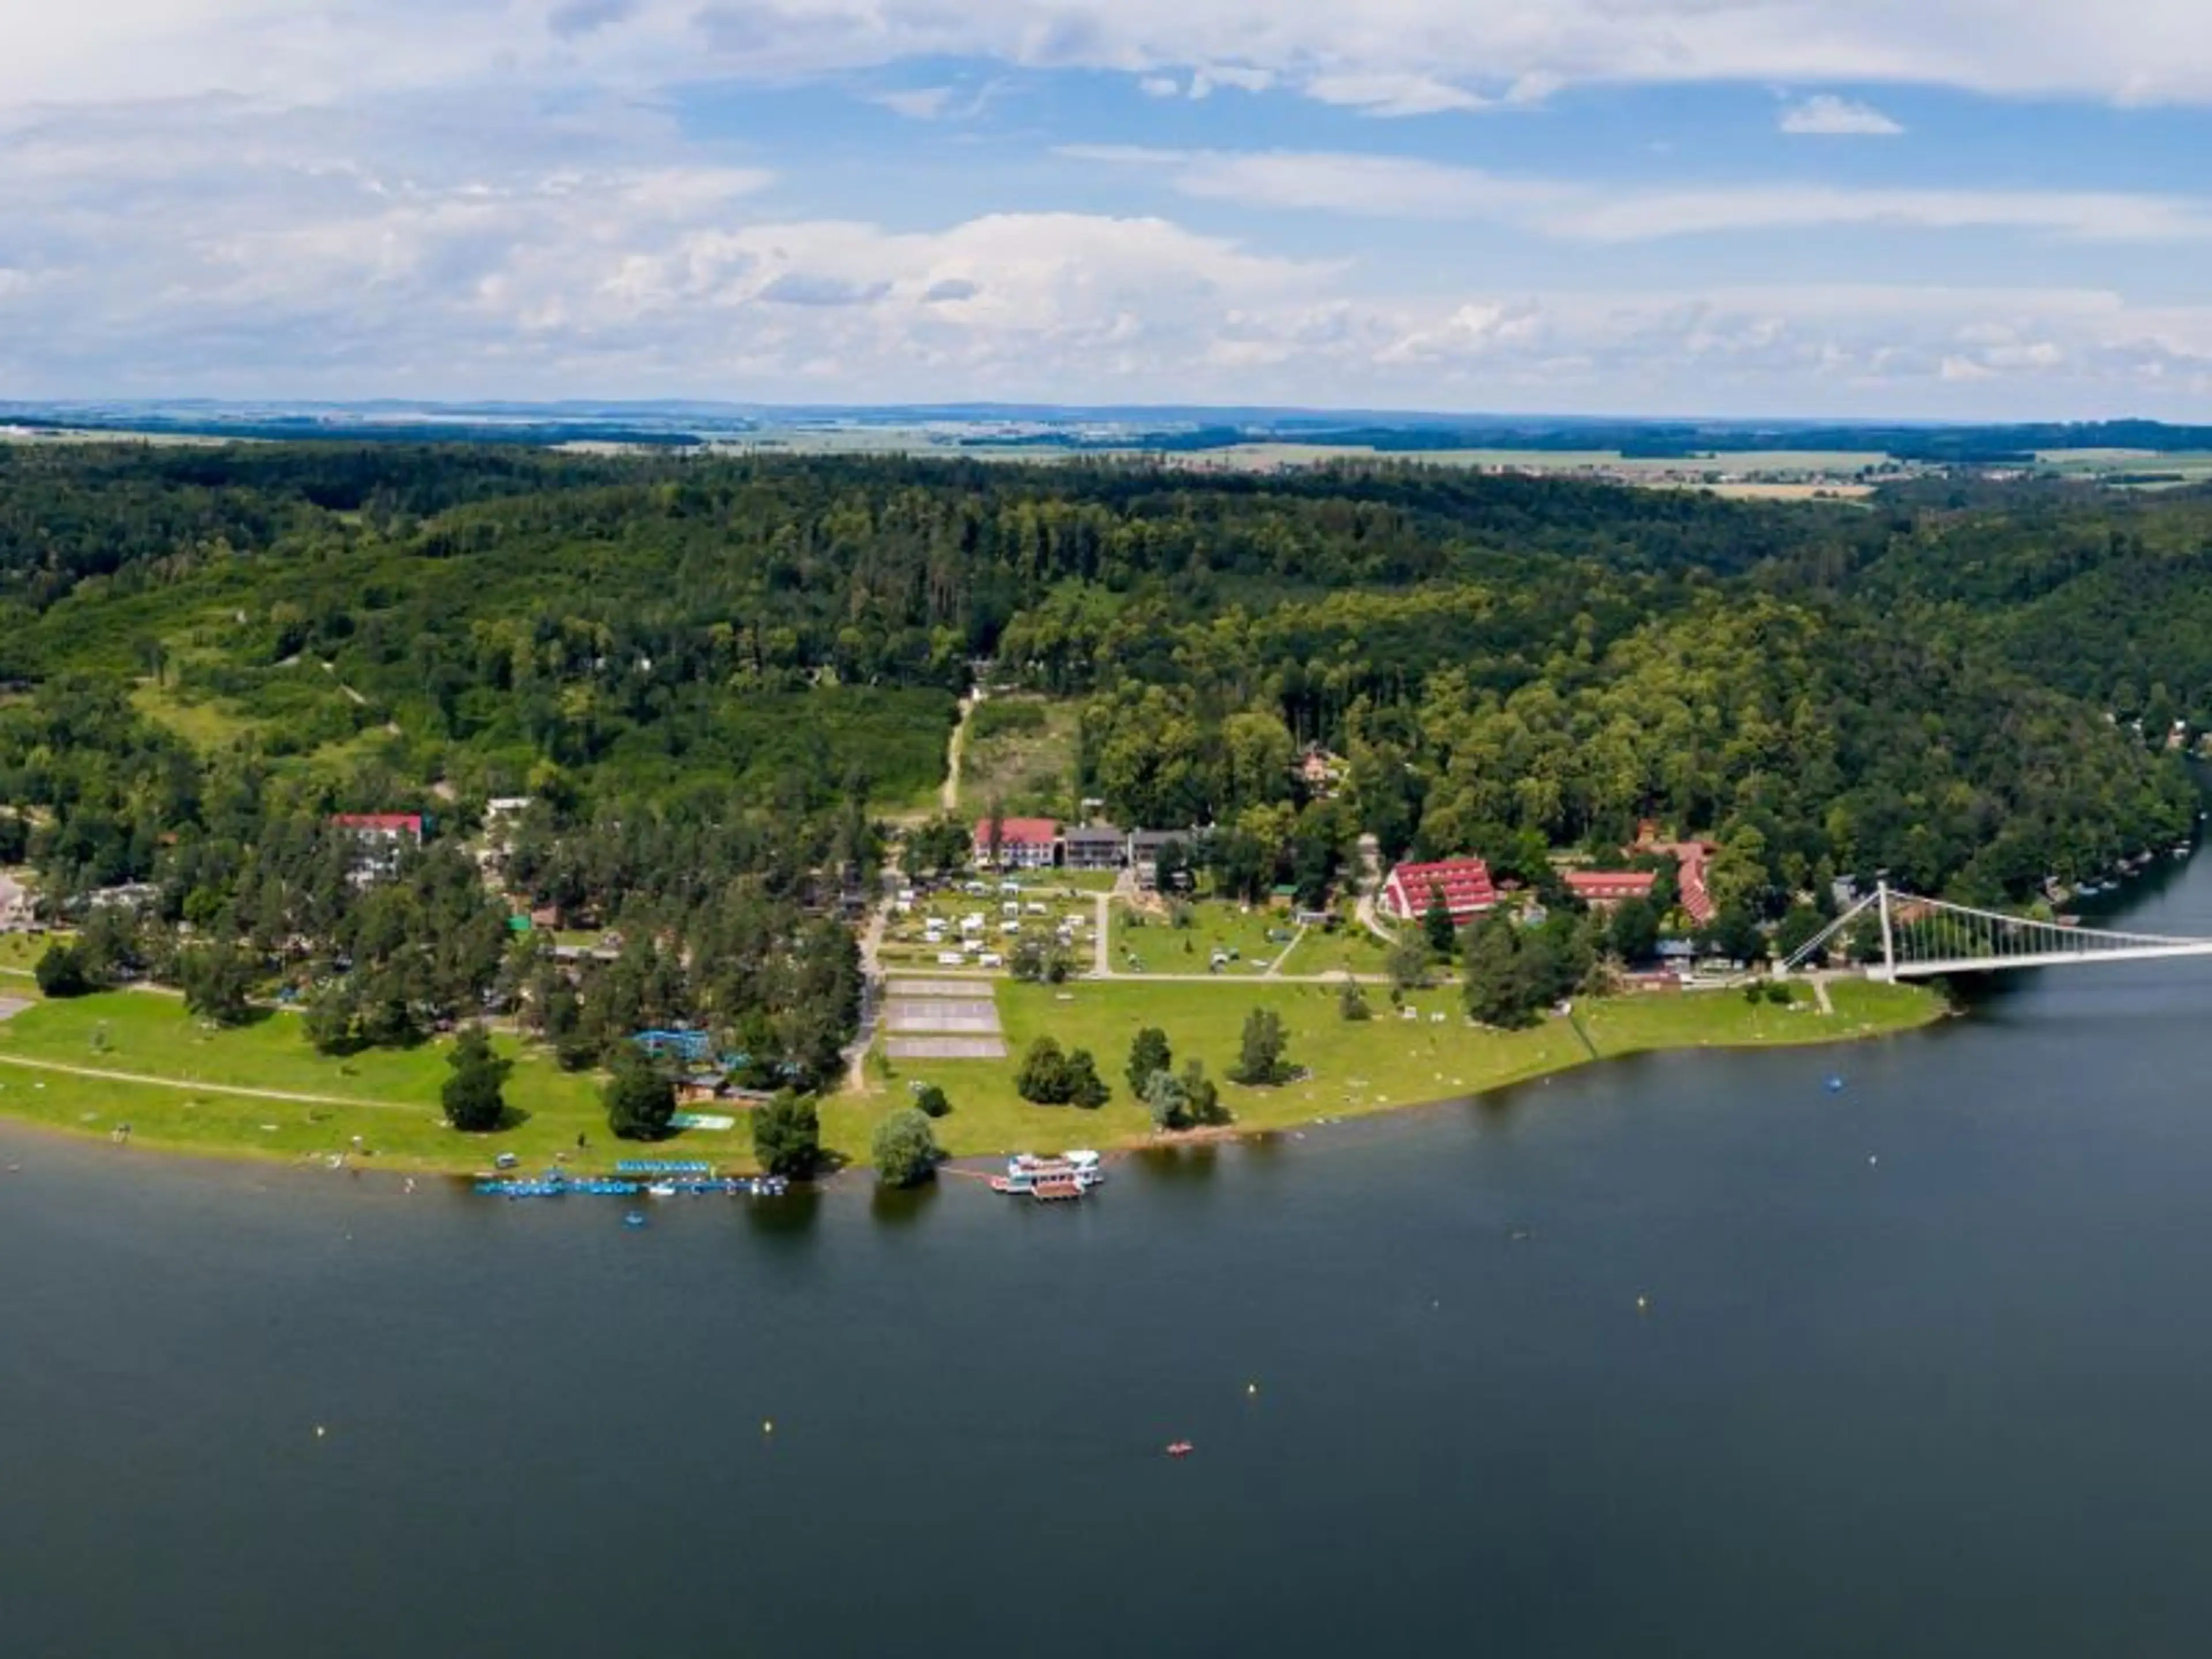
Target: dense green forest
(714, 678)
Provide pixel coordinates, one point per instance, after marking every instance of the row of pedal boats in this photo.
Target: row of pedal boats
(558, 1185)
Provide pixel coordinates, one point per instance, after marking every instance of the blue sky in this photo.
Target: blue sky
(1969, 209)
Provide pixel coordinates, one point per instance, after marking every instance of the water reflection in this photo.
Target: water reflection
(1181, 1165)
(903, 1206)
(795, 1215)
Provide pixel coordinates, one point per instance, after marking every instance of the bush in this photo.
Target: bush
(787, 1136)
(1352, 1002)
(1043, 1080)
(472, 1097)
(1259, 1063)
(905, 1151)
(1085, 1088)
(1148, 1055)
(929, 1101)
(640, 1100)
(61, 973)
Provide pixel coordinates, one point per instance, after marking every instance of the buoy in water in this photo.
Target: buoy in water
(1644, 1304)
(1251, 1390)
(320, 1432)
(1835, 1086)
(768, 1427)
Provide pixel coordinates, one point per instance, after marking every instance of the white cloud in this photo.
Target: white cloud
(1396, 56)
(919, 104)
(1830, 117)
(1405, 187)
(1383, 186)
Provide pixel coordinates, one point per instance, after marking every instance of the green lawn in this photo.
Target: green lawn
(1153, 945)
(1350, 949)
(391, 1100)
(1354, 1068)
(397, 1111)
(19, 953)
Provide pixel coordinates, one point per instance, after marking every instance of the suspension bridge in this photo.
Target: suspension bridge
(1929, 938)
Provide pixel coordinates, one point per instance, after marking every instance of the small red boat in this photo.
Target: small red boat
(1179, 1448)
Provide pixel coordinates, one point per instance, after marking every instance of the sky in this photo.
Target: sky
(1887, 208)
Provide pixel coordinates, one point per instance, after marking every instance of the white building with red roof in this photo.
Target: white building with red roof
(1017, 844)
(382, 837)
(1465, 884)
(1603, 889)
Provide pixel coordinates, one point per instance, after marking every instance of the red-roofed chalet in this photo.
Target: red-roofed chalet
(1464, 883)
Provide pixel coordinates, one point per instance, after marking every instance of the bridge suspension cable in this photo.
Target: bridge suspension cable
(1923, 938)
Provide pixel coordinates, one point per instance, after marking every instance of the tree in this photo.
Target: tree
(1408, 963)
(1043, 1080)
(1495, 991)
(1798, 928)
(1202, 1094)
(473, 1098)
(61, 973)
(929, 1101)
(787, 1136)
(640, 1100)
(1167, 1100)
(1735, 934)
(1148, 1053)
(1437, 926)
(1040, 959)
(1085, 1088)
(904, 1149)
(331, 1018)
(216, 980)
(1259, 1063)
(1633, 931)
(1352, 1001)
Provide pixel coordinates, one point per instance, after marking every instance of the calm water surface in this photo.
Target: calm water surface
(1924, 1369)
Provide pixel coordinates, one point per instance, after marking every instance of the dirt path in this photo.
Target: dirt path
(958, 751)
(1275, 968)
(1102, 963)
(234, 1090)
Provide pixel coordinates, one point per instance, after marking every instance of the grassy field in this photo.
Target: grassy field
(18, 954)
(1020, 753)
(1350, 949)
(390, 1100)
(1151, 943)
(1352, 1068)
(203, 722)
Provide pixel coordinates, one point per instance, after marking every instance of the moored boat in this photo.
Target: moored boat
(1072, 1175)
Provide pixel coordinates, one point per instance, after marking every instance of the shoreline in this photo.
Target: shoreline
(844, 1111)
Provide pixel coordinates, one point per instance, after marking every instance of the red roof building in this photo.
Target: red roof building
(1464, 883)
(1692, 856)
(1022, 843)
(1605, 888)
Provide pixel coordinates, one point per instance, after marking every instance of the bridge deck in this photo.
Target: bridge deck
(1940, 967)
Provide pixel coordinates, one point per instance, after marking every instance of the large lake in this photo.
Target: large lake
(1923, 1367)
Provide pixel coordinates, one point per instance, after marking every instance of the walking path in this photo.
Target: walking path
(237, 1090)
(968, 705)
